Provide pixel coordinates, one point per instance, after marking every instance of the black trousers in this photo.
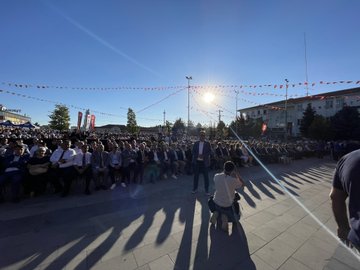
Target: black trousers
(200, 167)
(67, 174)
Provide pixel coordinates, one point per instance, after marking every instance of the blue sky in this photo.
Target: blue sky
(151, 44)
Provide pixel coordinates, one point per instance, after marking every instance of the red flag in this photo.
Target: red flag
(263, 128)
(80, 114)
(92, 123)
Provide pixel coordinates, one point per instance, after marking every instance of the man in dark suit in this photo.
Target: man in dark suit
(201, 161)
(100, 166)
(15, 171)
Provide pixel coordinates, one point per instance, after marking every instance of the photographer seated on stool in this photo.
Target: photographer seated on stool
(226, 184)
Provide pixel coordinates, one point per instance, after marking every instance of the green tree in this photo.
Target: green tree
(345, 124)
(221, 130)
(179, 125)
(308, 117)
(199, 127)
(319, 128)
(60, 118)
(192, 130)
(168, 126)
(132, 126)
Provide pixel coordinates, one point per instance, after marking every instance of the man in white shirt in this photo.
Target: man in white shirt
(82, 165)
(62, 161)
(226, 184)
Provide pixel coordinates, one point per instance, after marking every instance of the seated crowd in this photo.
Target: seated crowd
(53, 161)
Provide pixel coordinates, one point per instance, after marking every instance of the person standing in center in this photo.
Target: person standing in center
(201, 161)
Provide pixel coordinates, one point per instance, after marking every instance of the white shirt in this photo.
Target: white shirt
(78, 159)
(33, 150)
(225, 187)
(69, 156)
(201, 147)
(77, 150)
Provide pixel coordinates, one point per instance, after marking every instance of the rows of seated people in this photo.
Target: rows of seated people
(101, 165)
(54, 164)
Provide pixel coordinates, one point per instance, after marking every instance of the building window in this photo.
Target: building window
(299, 122)
(339, 103)
(264, 111)
(329, 104)
(300, 107)
(258, 112)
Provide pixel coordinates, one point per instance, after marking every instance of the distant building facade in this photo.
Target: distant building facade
(15, 118)
(326, 104)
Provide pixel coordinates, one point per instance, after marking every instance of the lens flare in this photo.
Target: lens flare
(209, 97)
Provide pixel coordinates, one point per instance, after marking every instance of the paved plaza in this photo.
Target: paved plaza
(163, 226)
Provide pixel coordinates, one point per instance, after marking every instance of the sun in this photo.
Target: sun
(208, 97)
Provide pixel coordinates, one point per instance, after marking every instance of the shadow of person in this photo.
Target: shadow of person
(228, 251)
(201, 250)
(187, 216)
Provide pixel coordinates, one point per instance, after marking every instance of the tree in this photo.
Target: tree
(220, 130)
(168, 126)
(308, 118)
(132, 126)
(60, 118)
(179, 126)
(319, 128)
(345, 124)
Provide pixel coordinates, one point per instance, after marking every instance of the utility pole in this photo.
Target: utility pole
(164, 117)
(188, 121)
(236, 111)
(220, 111)
(286, 116)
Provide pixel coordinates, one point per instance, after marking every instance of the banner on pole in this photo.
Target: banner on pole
(80, 114)
(92, 123)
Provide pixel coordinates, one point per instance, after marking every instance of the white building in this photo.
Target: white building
(326, 104)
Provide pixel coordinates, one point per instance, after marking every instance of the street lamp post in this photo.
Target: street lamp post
(286, 115)
(236, 120)
(188, 121)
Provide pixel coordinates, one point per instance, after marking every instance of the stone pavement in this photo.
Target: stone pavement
(163, 226)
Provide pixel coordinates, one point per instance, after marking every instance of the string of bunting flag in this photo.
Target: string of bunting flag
(45, 86)
(275, 86)
(160, 88)
(72, 106)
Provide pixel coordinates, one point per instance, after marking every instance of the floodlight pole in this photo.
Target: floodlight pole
(286, 113)
(188, 121)
(236, 111)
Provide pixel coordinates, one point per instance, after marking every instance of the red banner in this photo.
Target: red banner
(80, 114)
(92, 123)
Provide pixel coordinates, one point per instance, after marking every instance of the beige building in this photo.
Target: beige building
(277, 117)
(15, 118)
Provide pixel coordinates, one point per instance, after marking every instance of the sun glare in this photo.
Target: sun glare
(209, 97)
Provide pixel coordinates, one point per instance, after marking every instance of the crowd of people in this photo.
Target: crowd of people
(32, 162)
